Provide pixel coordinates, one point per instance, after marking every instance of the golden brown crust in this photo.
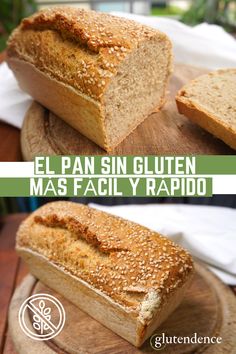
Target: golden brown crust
(134, 266)
(95, 45)
(93, 29)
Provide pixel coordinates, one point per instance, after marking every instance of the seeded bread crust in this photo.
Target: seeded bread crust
(203, 117)
(136, 268)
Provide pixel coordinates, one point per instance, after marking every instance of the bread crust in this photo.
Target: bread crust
(138, 270)
(81, 112)
(207, 122)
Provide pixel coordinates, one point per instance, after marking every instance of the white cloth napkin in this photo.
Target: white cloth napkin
(203, 46)
(208, 232)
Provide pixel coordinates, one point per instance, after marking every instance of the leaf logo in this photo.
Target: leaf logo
(38, 324)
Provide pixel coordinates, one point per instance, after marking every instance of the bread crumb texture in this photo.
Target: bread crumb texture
(136, 267)
(214, 94)
(78, 47)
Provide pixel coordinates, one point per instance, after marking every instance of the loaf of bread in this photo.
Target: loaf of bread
(124, 275)
(210, 101)
(102, 74)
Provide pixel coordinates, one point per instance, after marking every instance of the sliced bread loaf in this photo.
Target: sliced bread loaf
(102, 74)
(210, 101)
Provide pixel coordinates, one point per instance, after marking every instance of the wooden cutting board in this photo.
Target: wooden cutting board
(165, 132)
(209, 309)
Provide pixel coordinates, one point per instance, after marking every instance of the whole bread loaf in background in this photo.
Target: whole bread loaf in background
(124, 275)
(102, 74)
(210, 101)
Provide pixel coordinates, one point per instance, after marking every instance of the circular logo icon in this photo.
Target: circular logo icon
(157, 342)
(41, 316)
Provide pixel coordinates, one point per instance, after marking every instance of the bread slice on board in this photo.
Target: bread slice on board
(210, 101)
(124, 275)
(102, 74)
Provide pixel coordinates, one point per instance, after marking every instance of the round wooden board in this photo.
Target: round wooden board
(165, 132)
(208, 309)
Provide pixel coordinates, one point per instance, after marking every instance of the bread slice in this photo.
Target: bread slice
(210, 101)
(124, 275)
(102, 74)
